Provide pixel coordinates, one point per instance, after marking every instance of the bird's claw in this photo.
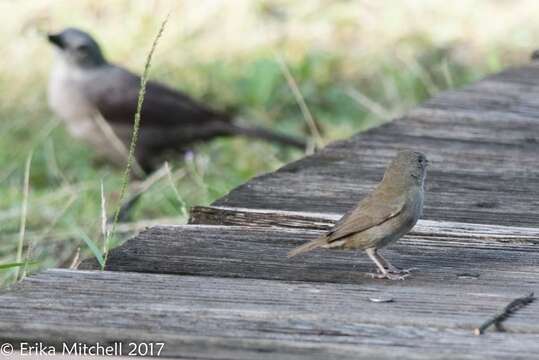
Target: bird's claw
(396, 270)
(389, 276)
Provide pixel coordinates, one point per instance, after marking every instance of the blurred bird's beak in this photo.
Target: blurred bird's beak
(56, 39)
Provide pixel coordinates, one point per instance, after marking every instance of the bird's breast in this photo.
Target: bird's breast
(68, 100)
(66, 96)
(413, 209)
(399, 226)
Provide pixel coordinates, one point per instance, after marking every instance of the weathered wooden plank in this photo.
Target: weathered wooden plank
(524, 75)
(438, 253)
(512, 92)
(220, 318)
(218, 215)
(466, 182)
(483, 143)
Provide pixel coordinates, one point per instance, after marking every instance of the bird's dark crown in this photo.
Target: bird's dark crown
(78, 47)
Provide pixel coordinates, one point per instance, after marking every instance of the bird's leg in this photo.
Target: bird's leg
(391, 268)
(375, 258)
(384, 273)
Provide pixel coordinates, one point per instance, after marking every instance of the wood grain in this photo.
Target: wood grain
(259, 252)
(218, 215)
(218, 318)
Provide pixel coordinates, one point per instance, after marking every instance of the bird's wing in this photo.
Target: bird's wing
(115, 94)
(374, 210)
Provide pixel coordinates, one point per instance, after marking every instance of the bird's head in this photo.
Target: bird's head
(408, 165)
(77, 48)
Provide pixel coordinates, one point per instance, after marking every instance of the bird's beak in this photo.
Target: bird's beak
(56, 39)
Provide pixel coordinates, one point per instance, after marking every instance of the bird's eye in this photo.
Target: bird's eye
(81, 48)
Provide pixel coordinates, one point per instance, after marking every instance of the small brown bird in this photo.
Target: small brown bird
(382, 217)
(97, 101)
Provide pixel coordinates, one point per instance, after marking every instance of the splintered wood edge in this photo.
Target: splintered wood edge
(232, 216)
(220, 215)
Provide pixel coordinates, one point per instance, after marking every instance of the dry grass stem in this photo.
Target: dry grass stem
(171, 179)
(369, 104)
(104, 232)
(134, 137)
(24, 212)
(76, 260)
(313, 128)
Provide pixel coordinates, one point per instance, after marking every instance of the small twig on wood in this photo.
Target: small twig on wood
(468, 276)
(381, 300)
(509, 310)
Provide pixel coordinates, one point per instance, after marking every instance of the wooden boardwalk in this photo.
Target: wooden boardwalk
(222, 287)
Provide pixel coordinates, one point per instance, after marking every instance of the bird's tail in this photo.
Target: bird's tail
(268, 135)
(311, 245)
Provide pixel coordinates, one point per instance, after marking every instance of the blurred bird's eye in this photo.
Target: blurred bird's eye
(81, 48)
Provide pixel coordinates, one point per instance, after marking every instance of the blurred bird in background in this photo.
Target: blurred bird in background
(97, 100)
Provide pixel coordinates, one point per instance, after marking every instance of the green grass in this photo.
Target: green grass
(352, 71)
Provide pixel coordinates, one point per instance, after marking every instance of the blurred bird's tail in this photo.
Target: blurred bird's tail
(268, 135)
(311, 245)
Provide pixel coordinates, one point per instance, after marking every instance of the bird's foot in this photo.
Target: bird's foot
(389, 275)
(396, 270)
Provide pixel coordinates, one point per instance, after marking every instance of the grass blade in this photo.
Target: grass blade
(104, 218)
(301, 102)
(17, 265)
(447, 75)
(369, 104)
(93, 248)
(24, 212)
(183, 205)
(134, 138)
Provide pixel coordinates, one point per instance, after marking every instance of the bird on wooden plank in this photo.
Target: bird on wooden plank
(97, 100)
(383, 216)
